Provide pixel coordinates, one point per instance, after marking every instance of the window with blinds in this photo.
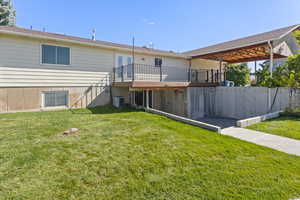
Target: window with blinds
(55, 55)
(55, 98)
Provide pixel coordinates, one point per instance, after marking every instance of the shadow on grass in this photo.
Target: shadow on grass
(285, 118)
(104, 110)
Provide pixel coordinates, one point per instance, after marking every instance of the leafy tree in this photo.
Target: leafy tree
(263, 75)
(288, 75)
(297, 35)
(7, 13)
(239, 74)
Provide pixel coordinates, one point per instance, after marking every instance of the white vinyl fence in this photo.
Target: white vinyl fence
(239, 102)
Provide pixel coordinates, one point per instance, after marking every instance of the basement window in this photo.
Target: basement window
(55, 99)
(55, 55)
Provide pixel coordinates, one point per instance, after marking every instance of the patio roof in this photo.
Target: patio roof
(246, 49)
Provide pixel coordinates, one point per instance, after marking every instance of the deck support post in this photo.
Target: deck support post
(160, 73)
(147, 99)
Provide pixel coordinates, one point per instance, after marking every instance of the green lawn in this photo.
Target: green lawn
(134, 155)
(287, 126)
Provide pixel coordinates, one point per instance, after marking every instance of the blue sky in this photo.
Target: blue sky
(177, 25)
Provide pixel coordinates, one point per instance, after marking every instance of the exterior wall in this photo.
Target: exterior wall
(173, 69)
(291, 41)
(31, 77)
(23, 78)
(171, 101)
(171, 62)
(123, 92)
(27, 99)
(21, 52)
(205, 64)
(293, 47)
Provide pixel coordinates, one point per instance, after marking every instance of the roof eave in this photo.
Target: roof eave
(251, 44)
(91, 44)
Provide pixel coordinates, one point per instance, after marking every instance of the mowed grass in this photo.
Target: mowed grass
(288, 125)
(128, 154)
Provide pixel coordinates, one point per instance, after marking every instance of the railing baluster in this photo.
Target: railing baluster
(122, 73)
(207, 76)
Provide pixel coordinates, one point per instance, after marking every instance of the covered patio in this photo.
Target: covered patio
(271, 45)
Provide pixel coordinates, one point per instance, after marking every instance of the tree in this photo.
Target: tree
(239, 74)
(288, 75)
(263, 75)
(7, 13)
(297, 36)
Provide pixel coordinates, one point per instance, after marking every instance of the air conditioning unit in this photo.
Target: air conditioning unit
(118, 101)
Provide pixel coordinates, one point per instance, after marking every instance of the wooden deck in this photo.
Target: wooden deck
(161, 85)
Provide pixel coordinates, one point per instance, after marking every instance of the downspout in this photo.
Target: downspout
(271, 73)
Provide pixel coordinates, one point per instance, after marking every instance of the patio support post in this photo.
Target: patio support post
(271, 58)
(221, 63)
(212, 75)
(225, 70)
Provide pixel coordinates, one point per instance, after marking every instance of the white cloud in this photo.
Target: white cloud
(147, 21)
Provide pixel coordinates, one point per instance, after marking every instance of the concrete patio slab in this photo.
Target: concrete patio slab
(219, 121)
(283, 144)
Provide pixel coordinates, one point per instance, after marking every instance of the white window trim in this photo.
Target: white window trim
(54, 107)
(56, 45)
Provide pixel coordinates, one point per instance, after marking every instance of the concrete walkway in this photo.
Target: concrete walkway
(287, 145)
